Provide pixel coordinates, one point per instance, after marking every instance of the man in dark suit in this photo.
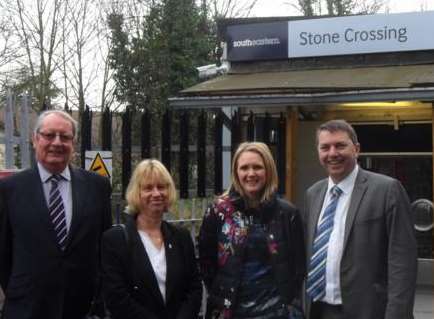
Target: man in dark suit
(51, 225)
(361, 246)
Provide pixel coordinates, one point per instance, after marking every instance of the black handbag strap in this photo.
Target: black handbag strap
(129, 249)
(126, 236)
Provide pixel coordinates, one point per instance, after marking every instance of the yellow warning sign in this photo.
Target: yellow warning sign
(98, 166)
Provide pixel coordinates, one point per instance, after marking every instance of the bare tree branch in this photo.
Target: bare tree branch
(231, 8)
(337, 7)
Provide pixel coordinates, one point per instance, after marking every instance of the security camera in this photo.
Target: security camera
(212, 70)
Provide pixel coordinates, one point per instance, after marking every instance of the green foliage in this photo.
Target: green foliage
(159, 60)
(25, 82)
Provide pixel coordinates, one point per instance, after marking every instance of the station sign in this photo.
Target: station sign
(347, 35)
(258, 41)
(361, 34)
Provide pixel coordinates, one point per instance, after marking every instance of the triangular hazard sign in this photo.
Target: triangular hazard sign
(99, 167)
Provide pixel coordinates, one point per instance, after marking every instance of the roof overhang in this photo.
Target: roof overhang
(325, 86)
(417, 94)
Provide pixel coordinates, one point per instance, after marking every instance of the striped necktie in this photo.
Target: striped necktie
(57, 211)
(316, 282)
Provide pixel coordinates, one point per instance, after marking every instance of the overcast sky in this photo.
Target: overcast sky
(265, 8)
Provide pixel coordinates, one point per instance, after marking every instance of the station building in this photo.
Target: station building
(375, 71)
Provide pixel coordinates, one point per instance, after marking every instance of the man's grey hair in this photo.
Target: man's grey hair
(60, 113)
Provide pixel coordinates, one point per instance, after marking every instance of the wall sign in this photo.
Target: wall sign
(258, 41)
(332, 36)
(361, 34)
(99, 162)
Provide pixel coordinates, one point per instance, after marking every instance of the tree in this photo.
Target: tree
(37, 27)
(159, 59)
(214, 10)
(230, 8)
(80, 34)
(307, 7)
(337, 7)
(8, 51)
(60, 51)
(6, 45)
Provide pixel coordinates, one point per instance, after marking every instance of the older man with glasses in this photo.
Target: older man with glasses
(51, 222)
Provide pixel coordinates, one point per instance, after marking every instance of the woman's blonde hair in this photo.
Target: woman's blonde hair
(148, 171)
(271, 180)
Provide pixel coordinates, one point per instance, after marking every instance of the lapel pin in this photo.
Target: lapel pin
(170, 246)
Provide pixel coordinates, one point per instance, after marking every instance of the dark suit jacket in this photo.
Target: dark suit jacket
(130, 287)
(379, 261)
(40, 280)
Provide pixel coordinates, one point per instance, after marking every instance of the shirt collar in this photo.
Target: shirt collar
(347, 184)
(45, 175)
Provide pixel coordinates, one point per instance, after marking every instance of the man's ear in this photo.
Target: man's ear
(357, 146)
(34, 137)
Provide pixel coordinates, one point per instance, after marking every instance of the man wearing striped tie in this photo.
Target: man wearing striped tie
(51, 223)
(361, 247)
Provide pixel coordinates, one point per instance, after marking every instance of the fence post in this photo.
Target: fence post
(126, 149)
(86, 135)
(166, 140)
(218, 153)
(106, 130)
(183, 154)
(251, 127)
(9, 131)
(145, 135)
(201, 154)
(266, 129)
(24, 132)
(235, 131)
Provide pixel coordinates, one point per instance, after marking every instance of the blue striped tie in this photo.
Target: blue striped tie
(316, 282)
(57, 211)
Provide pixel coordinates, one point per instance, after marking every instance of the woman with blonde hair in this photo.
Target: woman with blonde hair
(251, 243)
(149, 265)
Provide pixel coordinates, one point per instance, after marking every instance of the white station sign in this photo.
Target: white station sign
(361, 34)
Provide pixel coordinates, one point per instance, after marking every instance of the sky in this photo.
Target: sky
(265, 8)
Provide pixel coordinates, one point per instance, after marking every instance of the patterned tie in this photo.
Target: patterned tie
(316, 282)
(57, 211)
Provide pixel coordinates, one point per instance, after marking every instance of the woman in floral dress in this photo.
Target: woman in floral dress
(251, 243)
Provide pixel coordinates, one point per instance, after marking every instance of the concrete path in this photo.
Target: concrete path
(424, 303)
(423, 307)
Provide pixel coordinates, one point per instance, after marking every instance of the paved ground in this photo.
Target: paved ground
(423, 308)
(424, 304)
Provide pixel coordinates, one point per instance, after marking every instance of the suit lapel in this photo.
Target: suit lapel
(360, 187)
(143, 268)
(171, 260)
(79, 191)
(36, 196)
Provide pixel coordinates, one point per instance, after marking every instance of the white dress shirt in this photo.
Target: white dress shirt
(64, 188)
(157, 257)
(336, 242)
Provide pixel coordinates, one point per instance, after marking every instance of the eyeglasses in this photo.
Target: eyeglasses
(50, 137)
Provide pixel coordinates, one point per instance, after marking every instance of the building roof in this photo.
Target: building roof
(318, 80)
(409, 82)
